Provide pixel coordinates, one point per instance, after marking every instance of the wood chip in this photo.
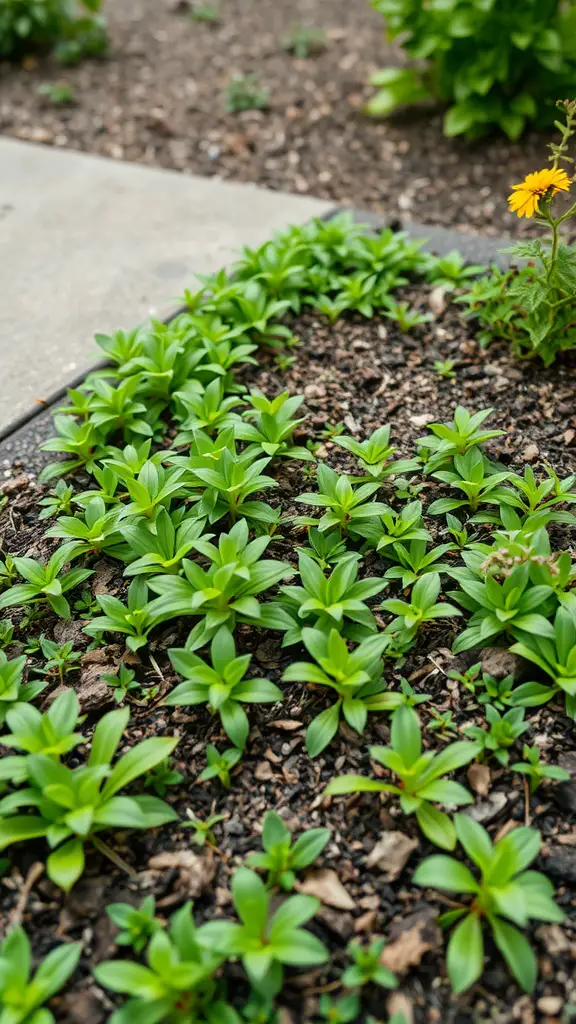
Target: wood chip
(390, 854)
(264, 771)
(437, 300)
(413, 942)
(479, 778)
(530, 452)
(195, 872)
(326, 885)
(286, 724)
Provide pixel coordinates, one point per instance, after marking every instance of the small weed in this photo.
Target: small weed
(305, 42)
(58, 93)
(244, 92)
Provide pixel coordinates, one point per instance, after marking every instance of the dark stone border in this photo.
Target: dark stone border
(21, 441)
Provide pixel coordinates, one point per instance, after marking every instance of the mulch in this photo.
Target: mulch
(159, 100)
(366, 374)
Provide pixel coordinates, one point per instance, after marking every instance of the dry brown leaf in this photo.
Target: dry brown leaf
(568, 839)
(264, 771)
(479, 778)
(397, 1002)
(419, 935)
(326, 885)
(437, 300)
(422, 419)
(390, 854)
(365, 923)
(195, 872)
(554, 939)
(530, 452)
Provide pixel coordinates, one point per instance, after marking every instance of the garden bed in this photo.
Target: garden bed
(361, 373)
(160, 100)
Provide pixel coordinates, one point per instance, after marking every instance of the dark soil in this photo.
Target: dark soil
(159, 100)
(366, 374)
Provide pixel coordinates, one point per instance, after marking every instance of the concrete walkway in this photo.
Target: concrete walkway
(88, 244)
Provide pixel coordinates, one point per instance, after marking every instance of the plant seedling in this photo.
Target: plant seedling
(421, 777)
(205, 12)
(61, 657)
(329, 603)
(326, 548)
(222, 685)
(225, 593)
(503, 607)
(58, 502)
(445, 368)
(498, 692)
(395, 527)
(340, 1011)
(452, 271)
(123, 683)
(366, 966)
(356, 677)
(405, 317)
(375, 455)
(59, 93)
(345, 505)
(503, 732)
(556, 655)
(443, 724)
(46, 583)
(22, 997)
(269, 426)
(220, 765)
(505, 893)
(448, 439)
(304, 41)
(265, 941)
(284, 361)
(6, 633)
(423, 605)
(12, 691)
(468, 679)
(137, 924)
(475, 477)
(244, 92)
(536, 770)
(133, 619)
(176, 983)
(203, 829)
(75, 804)
(51, 733)
(415, 561)
(162, 776)
(282, 858)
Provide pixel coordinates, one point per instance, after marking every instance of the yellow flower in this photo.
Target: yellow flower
(526, 196)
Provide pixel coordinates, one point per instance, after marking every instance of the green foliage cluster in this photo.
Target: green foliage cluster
(495, 63)
(182, 465)
(70, 29)
(532, 306)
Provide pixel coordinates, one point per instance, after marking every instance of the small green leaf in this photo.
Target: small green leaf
(465, 954)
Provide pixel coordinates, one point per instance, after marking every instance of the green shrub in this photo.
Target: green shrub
(70, 30)
(497, 63)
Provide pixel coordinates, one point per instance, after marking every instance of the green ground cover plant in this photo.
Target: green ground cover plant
(183, 463)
